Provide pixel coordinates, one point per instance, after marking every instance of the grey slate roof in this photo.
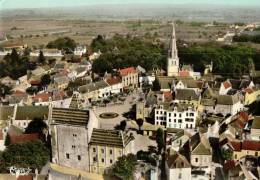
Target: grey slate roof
(186, 94)
(227, 99)
(93, 86)
(112, 138)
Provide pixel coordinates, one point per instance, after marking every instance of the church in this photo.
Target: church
(175, 72)
(173, 62)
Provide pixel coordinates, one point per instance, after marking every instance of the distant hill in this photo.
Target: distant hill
(207, 13)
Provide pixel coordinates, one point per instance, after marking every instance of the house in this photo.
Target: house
(243, 148)
(80, 50)
(176, 138)
(251, 95)
(94, 56)
(177, 167)
(200, 151)
(48, 53)
(71, 131)
(188, 96)
(129, 77)
(225, 87)
(115, 84)
(228, 104)
(61, 82)
(95, 90)
(255, 129)
(23, 115)
(8, 81)
(105, 147)
(174, 115)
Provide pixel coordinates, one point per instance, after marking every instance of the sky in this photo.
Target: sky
(14, 4)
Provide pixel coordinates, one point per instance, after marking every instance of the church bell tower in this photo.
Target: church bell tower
(173, 59)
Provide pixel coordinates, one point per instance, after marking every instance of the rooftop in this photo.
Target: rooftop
(70, 116)
(178, 161)
(109, 138)
(126, 71)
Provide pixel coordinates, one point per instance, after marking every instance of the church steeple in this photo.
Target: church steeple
(173, 59)
(173, 53)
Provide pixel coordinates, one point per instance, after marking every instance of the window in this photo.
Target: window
(111, 161)
(67, 156)
(235, 156)
(103, 160)
(169, 114)
(102, 151)
(73, 147)
(94, 149)
(191, 114)
(111, 151)
(94, 159)
(256, 153)
(170, 120)
(79, 157)
(74, 135)
(196, 160)
(179, 121)
(179, 115)
(174, 114)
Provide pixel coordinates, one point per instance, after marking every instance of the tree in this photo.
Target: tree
(63, 43)
(7, 140)
(31, 154)
(140, 123)
(41, 58)
(125, 167)
(156, 85)
(45, 80)
(35, 126)
(121, 126)
(160, 139)
(227, 154)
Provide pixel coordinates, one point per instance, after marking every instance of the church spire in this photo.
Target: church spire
(173, 47)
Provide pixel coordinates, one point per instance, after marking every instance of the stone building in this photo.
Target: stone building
(105, 147)
(71, 131)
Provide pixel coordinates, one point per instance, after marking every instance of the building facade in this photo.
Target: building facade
(176, 115)
(105, 147)
(71, 131)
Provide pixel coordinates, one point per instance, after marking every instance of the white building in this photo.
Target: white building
(176, 115)
(80, 50)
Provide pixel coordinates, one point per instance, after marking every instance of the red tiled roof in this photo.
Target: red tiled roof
(167, 96)
(35, 82)
(236, 145)
(27, 177)
(244, 116)
(184, 73)
(113, 80)
(23, 138)
(230, 164)
(227, 84)
(126, 71)
(251, 145)
(43, 96)
(249, 90)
